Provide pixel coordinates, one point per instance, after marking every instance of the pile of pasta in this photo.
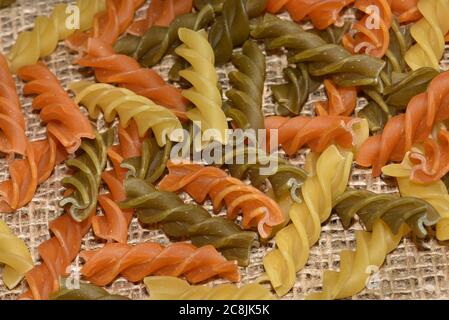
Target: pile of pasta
(388, 56)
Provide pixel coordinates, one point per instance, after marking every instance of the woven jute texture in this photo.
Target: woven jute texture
(409, 272)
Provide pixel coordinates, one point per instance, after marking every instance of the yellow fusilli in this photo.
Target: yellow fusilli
(48, 31)
(329, 177)
(202, 75)
(112, 100)
(429, 34)
(15, 255)
(171, 288)
(435, 193)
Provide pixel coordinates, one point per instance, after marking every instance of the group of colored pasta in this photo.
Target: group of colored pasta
(401, 132)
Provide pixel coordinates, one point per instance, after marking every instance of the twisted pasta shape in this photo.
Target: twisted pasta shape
(170, 288)
(113, 224)
(340, 101)
(151, 47)
(329, 177)
(84, 183)
(12, 124)
(40, 42)
(321, 58)
(15, 257)
(180, 220)
(372, 31)
(406, 10)
(64, 120)
(56, 253)
(322, 13)
(128, 105)
(434, 193)
(402, 131)
(204, 94)
(86, 291)
(26, 174)
(6, 3)
(126, 72)
(389, 218)
(198, 181)
(160, 13)
(136, 262)
(318, 133)
(246, 96)
(429, 34)
(232, 28)
(108, 24)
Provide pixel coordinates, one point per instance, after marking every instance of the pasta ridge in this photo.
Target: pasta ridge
(134, 263)
(86, 291)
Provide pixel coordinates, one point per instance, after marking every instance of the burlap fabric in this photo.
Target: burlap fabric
(408, 273)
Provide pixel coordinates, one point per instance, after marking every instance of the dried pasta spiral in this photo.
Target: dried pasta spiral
(340, 101)
(155, 43)
(84, 183)
(86, 291)
(108, 24)
(202, 75)
(406, 10)
(126, 72)
(402, 131)
(372, 31)
(321, 58)
(12, 125)
(56, 254)
(389, 218)
(40, 42)
(134, 263)
(429, 34)
(246, 96)
(329, 176)
(434, 193)
(258, 210)
(321, 13)
(318, 133)
(65, 122)
(171, 288)
(128, 106)
(15, 257)
(180, 220)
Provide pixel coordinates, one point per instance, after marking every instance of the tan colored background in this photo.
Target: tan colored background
(408, 273)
